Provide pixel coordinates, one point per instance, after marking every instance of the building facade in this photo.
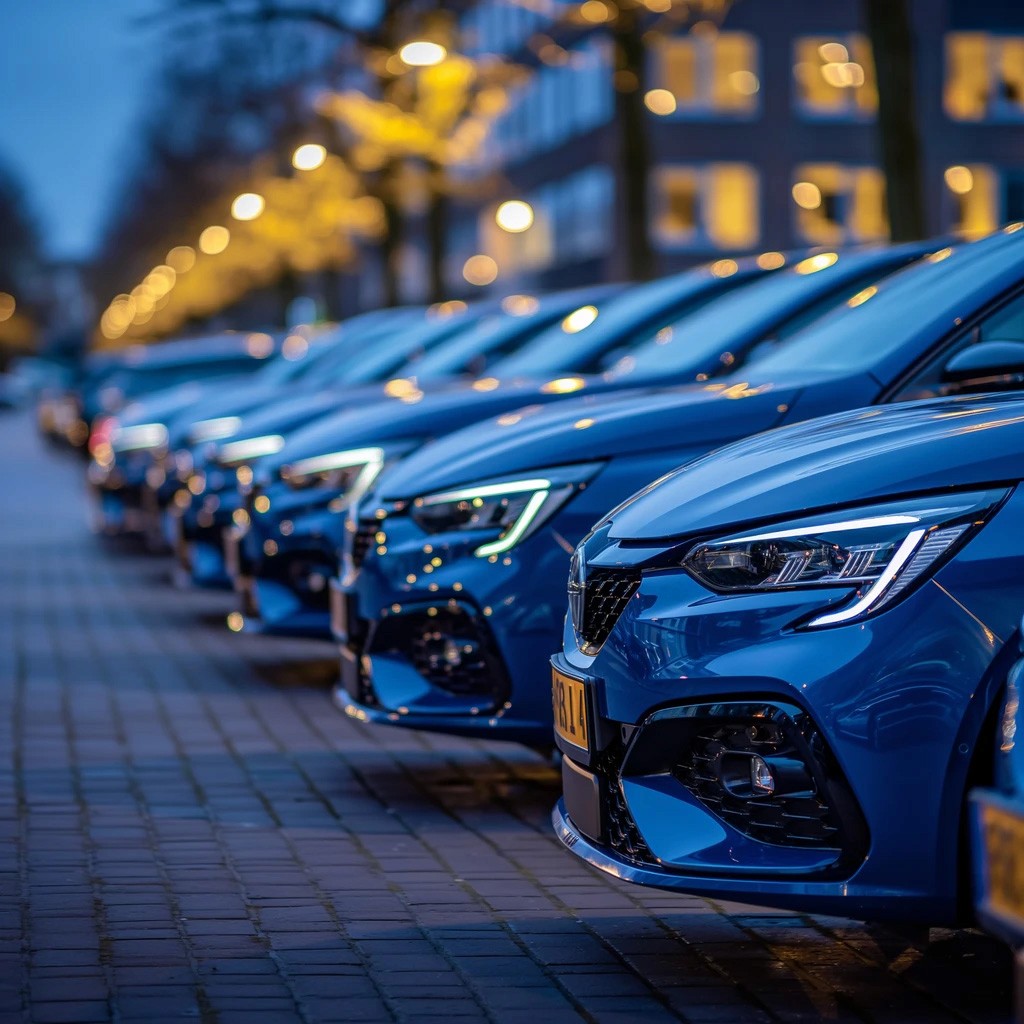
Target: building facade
(761, 126)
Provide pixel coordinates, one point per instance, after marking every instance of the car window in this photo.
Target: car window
(641, 310)
(394, 352)
(875, 326)
(1003, 323)
(724, 335)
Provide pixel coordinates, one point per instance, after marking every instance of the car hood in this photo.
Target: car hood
(283, 414)
(850, 458)
(216, 401)
(409, 414)
(167, 405)
(585, 429)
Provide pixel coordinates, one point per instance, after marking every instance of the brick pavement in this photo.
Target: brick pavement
(189, 831)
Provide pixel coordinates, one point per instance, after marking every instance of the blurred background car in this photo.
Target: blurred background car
(134, 445)
(461, 343)
(83, 414)
(453, 585)
(784, 663)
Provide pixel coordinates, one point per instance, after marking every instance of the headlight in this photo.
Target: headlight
(882, 550)
(349, 472)
(138, 437)
(510, 510)
(217, 429)
(235, 453)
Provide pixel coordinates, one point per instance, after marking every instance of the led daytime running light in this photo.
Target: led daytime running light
(521, 525)
(250, 448)
(334, 460)
(871, 595)
(486, 491)
(216, 429)
(138, 437)
(371, 461)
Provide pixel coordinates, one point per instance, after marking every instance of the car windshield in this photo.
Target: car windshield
(724, 333)
(331, 349)
(501, 335)
(849, 343)
(582, 340)
(282, 369)
(392, 350)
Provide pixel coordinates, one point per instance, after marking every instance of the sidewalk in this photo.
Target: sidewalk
(190, 831)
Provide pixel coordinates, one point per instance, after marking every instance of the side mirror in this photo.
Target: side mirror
(986, 359)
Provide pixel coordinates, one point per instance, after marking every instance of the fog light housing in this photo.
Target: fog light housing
(761, 778)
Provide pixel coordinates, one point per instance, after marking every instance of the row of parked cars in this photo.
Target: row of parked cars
(783, 491)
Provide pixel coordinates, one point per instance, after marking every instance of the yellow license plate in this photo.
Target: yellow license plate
(569, 699)
(1004, 860)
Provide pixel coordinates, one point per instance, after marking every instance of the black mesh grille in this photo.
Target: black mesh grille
(803, 818)
(605, 596)
(304, 571)
(620, 830)
(456, 664)
(451, 649)
(363, 540)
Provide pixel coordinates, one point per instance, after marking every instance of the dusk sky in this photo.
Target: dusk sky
(73, 76)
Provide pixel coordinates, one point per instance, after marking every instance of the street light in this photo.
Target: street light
(959, 179)
(660, 102)
(247, 206)
(182, 258)
(514, 216)
(480, 270)
(309, 156)
(422, 54)
(214, 239)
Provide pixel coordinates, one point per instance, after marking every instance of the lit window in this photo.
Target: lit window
(973, 196)
(550, 107)
(835, 76)
(984, 76)
(714, 205)
(715, 73)
(835, 204)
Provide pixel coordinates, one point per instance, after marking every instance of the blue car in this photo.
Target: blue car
(783, 664)
(452, 594)
(668, 330)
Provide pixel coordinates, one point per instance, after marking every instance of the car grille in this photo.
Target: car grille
(366, 532)
(801, 819)
(620, 830)
(605, 596)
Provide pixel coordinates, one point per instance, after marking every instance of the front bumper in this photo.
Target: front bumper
(282, 561)
(891, 711)
(841, 898)
(437, 639)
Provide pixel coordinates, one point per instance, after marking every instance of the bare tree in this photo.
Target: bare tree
(888, 25)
